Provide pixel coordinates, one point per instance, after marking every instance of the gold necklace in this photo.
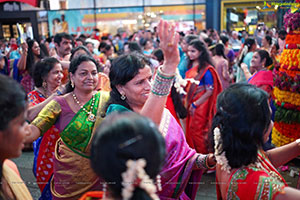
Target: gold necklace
(91, 116)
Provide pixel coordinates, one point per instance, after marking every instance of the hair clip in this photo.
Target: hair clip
(130, 141)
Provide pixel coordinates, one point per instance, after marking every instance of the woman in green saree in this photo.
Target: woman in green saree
(76, 115)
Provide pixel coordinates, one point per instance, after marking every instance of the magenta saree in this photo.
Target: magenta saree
(179, 179)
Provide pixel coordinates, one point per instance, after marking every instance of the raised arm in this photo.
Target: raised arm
(169, 39)
(22, 62)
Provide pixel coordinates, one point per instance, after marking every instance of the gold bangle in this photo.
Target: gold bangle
(207, 165)
(165, 74)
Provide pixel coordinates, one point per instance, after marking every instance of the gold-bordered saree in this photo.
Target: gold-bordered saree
(73, 175)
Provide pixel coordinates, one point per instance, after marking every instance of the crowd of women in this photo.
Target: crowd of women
(121, 133)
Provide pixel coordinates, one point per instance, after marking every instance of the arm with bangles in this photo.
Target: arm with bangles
(200, 101)
(246, 71)
(169, 39)
(33, 111)
(205, 161)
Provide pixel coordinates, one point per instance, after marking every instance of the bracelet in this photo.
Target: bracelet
(193, 105)
(201, 161)
(162, 84)
(163, 74)
(207, 165)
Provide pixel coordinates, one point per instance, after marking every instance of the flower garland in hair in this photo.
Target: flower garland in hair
(220, 157)
(181, 83)
(135, 176)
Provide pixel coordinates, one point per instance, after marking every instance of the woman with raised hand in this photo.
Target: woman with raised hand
(241, 126)
(13, 130)
(76, 115)
(31, 55)
(130, 77)
(128, 152)
(47, 76)
(201, 98)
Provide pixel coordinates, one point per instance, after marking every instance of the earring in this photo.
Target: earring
(158, 182)
(104, 186)
(123, 97)
(44, 85)
(72, 84)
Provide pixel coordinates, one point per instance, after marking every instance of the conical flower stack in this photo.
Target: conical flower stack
(287, 84)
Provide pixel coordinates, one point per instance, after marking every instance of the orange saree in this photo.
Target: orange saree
(198, 125)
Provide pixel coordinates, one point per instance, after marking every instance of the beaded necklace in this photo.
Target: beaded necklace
(91, 116)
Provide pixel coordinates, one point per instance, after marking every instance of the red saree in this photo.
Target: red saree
(44, 162)
(255, 181)
(197, 126)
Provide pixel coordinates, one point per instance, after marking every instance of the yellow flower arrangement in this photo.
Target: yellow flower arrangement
(278, 139)
(290, 59)
(285, 96)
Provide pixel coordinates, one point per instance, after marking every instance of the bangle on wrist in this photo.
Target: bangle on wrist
(166, 75)
(193, 105)
(207, 165)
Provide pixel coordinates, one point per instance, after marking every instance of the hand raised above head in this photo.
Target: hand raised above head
(169, 44)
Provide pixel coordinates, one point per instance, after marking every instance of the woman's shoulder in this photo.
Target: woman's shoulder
(116, 108)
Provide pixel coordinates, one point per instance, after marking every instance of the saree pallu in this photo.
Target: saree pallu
(43, 151)
(16, 184)
(72, 174)
(198, 125)
(178, 179)
(255, 181)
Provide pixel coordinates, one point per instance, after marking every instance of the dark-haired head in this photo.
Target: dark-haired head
(42, 69)
(204, 58)
(220, 50)
(250, 43)
(244, 118)
(124, 69)
(59, 36)
(12, 100)
(132, 47)
(32, 55)
(124, 136)
(224, 39)
(74, 66)
(268, 39)
(79, 50)
(159, 55)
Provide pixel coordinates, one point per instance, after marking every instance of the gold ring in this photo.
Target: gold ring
(170, 44)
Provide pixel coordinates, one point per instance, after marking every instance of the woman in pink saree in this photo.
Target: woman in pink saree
(130, 77)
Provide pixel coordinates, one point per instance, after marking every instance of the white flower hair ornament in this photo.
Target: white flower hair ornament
(135, 176)
(220, 158)
(181, 83)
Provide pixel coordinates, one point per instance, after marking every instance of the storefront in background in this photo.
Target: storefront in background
(246, 15)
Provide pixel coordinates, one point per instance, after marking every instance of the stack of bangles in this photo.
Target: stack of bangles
(162, 83)
(202, 162)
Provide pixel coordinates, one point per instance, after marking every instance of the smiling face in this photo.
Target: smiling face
(138, 89)
(55, 76)
(193, 53)
(36, 49)
(256, 62)
(13, 137)
(85, 77)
